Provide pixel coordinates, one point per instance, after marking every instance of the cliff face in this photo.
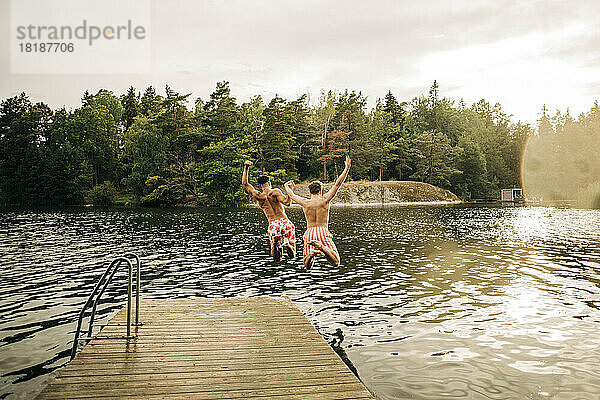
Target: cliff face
(385, 192)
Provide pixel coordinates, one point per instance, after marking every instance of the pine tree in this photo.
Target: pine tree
(277, 138)
(220, 112)
(150, 103)
(435, 159)
(336, 148)
(323, 115)
(131, 107)
(350, 117)
(395, 109)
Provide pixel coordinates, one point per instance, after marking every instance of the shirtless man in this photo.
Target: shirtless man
(281, 231)
(317, 237)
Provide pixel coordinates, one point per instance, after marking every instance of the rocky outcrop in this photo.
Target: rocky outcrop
(386, 192)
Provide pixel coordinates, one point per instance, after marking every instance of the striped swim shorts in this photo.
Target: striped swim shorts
(319, 234)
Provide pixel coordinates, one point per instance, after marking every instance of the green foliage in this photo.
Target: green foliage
(221, 170)
(279, 177)
(151, 104)
(382, 137)
(337, 147)
(165, 153)
(163, 192)
(276, 139)
(145, 153)
(220, 112)
(435, 159)
(471, 182)
(131, 107)
(561, 160)
(110, 102)
(589, 196)
(350, 117)
(40, 160)
(102, 195)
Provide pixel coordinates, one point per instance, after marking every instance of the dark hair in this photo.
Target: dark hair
(263, 179)
(315, 187)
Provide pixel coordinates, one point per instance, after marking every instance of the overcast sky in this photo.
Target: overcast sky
(522, 54)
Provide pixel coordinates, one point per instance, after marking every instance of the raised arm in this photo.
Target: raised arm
(249, 188)
(286, 200)
(338, 182)
(289, 186)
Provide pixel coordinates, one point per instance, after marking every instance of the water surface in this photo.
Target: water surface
(466, 302)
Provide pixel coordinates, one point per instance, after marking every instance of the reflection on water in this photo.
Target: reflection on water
(429, 302)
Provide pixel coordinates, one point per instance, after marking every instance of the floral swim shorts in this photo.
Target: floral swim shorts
(281, 228)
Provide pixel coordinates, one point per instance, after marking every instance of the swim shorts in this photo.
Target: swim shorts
(320, 234)
(281, 228)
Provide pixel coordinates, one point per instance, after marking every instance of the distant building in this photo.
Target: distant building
(514, 194)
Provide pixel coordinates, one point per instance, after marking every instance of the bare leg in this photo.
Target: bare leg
(331, 256)
(276, 250)
(309, 260)
(290, 248)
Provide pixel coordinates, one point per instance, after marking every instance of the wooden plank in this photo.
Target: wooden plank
(205, 385)
(340, 391)
(183, 346)
(302, 371)
(198, 365)
(216, 356)
(165, 367)
(108, 351)
(258, 348)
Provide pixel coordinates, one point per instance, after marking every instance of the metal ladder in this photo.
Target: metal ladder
(99, 289)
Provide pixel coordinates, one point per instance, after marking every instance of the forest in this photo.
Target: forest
(168, 149)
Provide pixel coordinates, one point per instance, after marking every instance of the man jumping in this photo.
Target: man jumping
(281, 231)
(317, 237)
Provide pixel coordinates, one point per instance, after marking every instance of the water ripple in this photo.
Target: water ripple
(429, 302)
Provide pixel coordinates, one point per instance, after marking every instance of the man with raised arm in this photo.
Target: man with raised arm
(317, 237)
(281, 231)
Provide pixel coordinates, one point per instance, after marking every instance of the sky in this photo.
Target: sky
(522, 54)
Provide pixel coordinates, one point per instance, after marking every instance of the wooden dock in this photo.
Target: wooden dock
(257, 348)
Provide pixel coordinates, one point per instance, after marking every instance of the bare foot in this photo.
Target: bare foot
(276, 250)
(309, 261)
(331, 256)
(316, 244)
(285, 245)
(289, 251)
(277, 254)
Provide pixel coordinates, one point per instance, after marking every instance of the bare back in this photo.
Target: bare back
(316, 211)
(271, 206)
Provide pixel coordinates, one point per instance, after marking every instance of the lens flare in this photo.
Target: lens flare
(561, 162)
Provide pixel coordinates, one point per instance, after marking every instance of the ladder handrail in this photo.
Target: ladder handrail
(87, 304)
(108, 281)
(137, 289)
(106, 278)
(129, 290)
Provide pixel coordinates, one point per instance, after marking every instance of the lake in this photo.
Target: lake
(462, 301)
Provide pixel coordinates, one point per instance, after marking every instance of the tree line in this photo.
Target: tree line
(562, 159)
(163, 150)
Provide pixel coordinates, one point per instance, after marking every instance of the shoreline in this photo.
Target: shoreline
(251, 205)
(404, 203)
(399, 203)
